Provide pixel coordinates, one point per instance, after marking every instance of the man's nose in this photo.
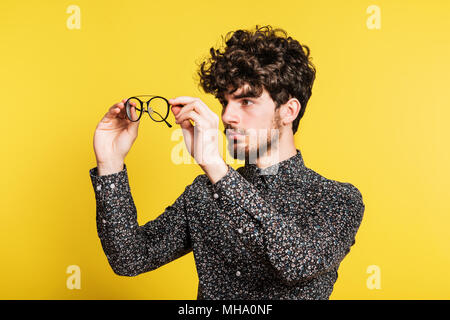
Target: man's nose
(230, 114)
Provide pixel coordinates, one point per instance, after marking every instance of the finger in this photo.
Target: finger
(209, 117)
(119, 104)
(181, 100)
(201, 107)
(123, 109)
(185, 109)
(186, 124)
(197, 106)
(176, 110)
(113, 111)
(194, 116)
(117, 111)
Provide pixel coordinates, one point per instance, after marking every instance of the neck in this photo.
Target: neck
(280, 151)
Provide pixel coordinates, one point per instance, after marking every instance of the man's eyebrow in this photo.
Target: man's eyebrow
(248, 94)
(244, 95)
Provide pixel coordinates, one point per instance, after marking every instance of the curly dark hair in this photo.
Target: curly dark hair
(263, 58)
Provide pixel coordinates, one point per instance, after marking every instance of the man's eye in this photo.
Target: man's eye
(245, 101)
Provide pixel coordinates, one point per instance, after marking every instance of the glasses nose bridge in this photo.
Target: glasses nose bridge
(147, 103)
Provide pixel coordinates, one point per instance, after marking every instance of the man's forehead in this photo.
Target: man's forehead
(243, 91)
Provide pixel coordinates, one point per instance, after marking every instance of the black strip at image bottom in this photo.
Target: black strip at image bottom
(223, 309)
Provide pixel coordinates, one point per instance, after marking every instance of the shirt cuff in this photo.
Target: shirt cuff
(110, 186)
(233, 191)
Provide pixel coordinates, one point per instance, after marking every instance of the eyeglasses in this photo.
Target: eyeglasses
(157, 108)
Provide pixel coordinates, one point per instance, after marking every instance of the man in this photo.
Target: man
(272, 229)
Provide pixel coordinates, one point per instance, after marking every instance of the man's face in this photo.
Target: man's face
(255, 121)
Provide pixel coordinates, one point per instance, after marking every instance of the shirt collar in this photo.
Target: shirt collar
(286, 171)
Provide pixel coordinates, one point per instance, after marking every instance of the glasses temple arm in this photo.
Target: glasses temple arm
(168, 124)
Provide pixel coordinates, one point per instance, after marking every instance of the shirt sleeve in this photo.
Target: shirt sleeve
(297, 251)
(132, 249)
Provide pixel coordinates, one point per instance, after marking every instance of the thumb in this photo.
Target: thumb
(133, 126)
(187, 125)
(176, 109)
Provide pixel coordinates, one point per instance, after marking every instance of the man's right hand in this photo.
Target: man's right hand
(113, 138)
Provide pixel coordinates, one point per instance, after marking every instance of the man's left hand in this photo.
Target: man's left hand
(201, 140)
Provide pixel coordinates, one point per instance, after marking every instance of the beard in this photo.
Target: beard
(256, 143)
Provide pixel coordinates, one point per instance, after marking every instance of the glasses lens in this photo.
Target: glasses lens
(158, 109)
(134, 109)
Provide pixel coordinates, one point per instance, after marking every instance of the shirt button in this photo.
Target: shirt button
(238, 273)
(99, 187)
(112, 186)
(239, 230)
(215, 195)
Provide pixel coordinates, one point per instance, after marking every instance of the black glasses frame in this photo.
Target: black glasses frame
(149, 110)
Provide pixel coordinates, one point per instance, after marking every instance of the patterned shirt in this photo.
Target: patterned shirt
(273, 233)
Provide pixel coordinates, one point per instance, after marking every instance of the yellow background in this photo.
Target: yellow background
(378, 118)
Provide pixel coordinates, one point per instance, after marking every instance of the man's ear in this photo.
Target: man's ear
(290, 110)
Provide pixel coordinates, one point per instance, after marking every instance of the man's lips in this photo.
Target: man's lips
(233, 134)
